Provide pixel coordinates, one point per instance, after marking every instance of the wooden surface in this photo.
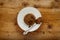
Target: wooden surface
(9, 29)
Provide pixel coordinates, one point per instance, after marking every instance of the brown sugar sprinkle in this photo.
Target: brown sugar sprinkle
(49, 26)
(36, 6)
(57, 0)
(29, 19)
(25, 4)
(1, 3)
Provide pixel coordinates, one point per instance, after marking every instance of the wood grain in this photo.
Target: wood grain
(9, 29)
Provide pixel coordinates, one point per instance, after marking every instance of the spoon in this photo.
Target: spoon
(26, 32)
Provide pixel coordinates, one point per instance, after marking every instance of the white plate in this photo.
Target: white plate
(21, 15)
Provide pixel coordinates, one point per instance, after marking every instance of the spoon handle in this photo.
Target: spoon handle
(26, 32)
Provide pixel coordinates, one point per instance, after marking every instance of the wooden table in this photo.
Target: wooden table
(9, 29)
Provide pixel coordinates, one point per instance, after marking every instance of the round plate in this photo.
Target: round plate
(21, 15)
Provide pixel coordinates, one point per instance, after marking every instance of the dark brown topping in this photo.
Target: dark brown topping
(38, 20)
(29, 19)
